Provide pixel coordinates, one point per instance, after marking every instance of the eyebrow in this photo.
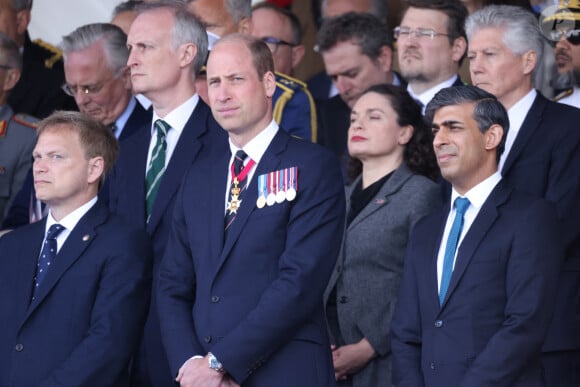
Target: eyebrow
(446, 123)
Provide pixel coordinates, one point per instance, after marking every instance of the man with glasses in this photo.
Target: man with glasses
(541, 157)
(565, 38)
(431, 44)
(96, 73)
(357, 49)
(293, 106)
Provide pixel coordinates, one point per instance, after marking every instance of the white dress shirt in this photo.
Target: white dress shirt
(426, 96)
(476, 196)
(517, 114)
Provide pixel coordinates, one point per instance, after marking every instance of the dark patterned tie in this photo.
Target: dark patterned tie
(156, 165)
(238, 167)
(47, 254)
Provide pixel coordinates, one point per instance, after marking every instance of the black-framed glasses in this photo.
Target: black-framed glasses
(572, 36)
(420, 33)
(273, 43)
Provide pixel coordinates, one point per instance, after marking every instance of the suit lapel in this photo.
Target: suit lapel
(188, 146)
(531, 123)
(217, 186)
(485, 219)
(72, 249)
(136, 164)
(433, 244)
(269, 162)
(392, 185)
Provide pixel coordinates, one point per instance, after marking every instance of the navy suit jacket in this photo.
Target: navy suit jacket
(491, 326)
(87, 316)
(138, 120)
(544, 161)
(127, 199)
(255, 299)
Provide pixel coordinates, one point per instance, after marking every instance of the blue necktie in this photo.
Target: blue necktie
(461, 205)
(47, 254)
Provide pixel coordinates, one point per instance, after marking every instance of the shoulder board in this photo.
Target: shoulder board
(3, 125)
(290, 82)
(563, 94)
(26, 120)
(56, 53)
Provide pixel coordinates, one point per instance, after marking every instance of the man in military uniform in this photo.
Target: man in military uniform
(280, 29)
(293, 105)
(17, 133)
(38, 92)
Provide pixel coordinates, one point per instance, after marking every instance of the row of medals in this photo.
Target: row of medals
(278, 197)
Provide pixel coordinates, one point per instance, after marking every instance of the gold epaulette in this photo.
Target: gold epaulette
(56, 53)
(289, 82)
(563, 94)
(26, 120)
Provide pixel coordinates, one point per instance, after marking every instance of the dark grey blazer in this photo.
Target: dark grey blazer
(370, 267)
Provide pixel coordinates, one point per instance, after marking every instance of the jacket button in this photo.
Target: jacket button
(215, 299)
(19, 347)
(343, 299)
(438, 323)
(207, 339)
(432, 365)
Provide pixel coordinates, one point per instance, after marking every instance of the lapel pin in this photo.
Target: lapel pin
(380, 201)
(86, 238)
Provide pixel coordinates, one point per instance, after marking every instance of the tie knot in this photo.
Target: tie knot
(239, 159)
(461, 205)
(162, 128)
(54, 230)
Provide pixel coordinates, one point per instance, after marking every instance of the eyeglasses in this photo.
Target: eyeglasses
(273, 43)
(572, 36)
(420, 33)
(5, 67)
(88, 89)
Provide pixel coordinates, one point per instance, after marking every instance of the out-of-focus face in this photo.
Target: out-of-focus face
(214, 15)
(496, 69)
(374, 132)
(240, 100)
(426, 60)
(340, 7)
(64, 177)
(12, 23)
(353, 72)
(269, 23)
(155, 65)
(109, 93)
(124, 20)
(465, 155)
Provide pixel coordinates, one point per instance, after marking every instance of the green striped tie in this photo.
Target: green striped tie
(156, 165)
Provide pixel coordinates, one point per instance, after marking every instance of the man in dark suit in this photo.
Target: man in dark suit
(542, 157)
(95, 68)
(38, 92)
(431, 45)
(357, 50)
(240, 297)
(167, 47)
(75, 287)
(476, 314)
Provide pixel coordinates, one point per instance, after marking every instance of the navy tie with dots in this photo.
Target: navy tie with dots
(47, 254)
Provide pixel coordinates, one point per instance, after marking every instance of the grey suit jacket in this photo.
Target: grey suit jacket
(370, 267)
(17, 139)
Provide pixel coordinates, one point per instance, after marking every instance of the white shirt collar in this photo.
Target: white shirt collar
(179, 116)
(426, 96)
(517, 114)
(257, 146)
(478, 194)
(70, 221)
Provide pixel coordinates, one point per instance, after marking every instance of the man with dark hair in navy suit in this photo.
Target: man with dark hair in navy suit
(481, 274)
(74, 287)
(253, 241)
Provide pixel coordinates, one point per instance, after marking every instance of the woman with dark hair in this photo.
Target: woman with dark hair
(395, 188)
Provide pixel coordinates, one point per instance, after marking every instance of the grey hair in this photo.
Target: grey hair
(378, 8)
(9, 52)
(487, 110)
(187, 28)
(521, 31)
(113, 38)
(126, 6)
(239, 9)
